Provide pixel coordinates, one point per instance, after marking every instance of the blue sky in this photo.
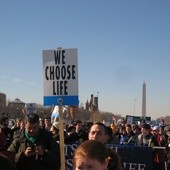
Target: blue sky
(121, 44)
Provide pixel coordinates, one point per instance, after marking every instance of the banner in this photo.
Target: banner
(134, 158)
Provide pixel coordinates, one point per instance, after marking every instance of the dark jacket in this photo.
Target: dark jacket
(76, 137)
(6, 163)
(49, 161)
(147, 140)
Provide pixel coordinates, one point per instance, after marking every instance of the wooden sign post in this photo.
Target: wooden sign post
(61, 132)
(60, 74)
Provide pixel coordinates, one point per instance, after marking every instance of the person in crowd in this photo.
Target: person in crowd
(98, 132)
(129, 136)
(119, 131)
(6, 163)
(55, 131)
(146, 138)
(12, 124)
(112, 138)
(136, 129)
(113, 127)
(162, 122)
(35, 148)
(163, 137)
(123, 123)
(71, 129)
(4, 121)
(21, 128)
(41, 123)
(79, 135)
(167, 131)
(123, 137)
(16, 125)
(156, 134)
(70, 135)
(93, 154)
(3, 141)
(47, 123)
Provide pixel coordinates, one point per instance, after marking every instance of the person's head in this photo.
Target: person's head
(32, 124)
(18, 121)
(161, 130)
(155, 130)
(98, 131)
(47, 122)
(22, 124)
(55, 128)
(41, 123)
(71, 130)
(110, 133)
(128, 128)
(167, 130)
(121, 129)
(91, 154)
(77, 124)
(4, 121)
(136, 128)
(145, 129)
(113, 127)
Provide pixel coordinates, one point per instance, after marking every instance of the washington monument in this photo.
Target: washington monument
(144, 101)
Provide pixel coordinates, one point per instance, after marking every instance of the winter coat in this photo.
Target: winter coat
(50, 160)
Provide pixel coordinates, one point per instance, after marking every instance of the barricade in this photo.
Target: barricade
(160, 157)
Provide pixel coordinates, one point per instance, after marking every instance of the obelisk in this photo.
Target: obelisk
(144, 101)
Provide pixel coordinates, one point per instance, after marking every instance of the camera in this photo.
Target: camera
(32, 146)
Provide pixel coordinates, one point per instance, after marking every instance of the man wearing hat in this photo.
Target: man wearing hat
(79, 135)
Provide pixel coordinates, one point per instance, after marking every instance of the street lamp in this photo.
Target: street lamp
(134, 107)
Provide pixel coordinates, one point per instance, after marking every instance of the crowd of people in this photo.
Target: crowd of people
(34, 143)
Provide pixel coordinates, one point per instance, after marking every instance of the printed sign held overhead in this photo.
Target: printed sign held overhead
(60, 74)
(30, 108)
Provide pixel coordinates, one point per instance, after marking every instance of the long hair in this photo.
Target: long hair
(92, 149)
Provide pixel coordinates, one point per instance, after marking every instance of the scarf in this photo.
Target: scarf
(32, 139)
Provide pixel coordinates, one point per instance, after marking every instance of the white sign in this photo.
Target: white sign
(60, 74)
(30, 108)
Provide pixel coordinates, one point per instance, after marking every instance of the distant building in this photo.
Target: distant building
(92, 104)
(95, 104)
(2, 100)
(87, 105)
(17, 103)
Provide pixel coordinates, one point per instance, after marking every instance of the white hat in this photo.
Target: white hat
(56, 125)
(155, 128)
